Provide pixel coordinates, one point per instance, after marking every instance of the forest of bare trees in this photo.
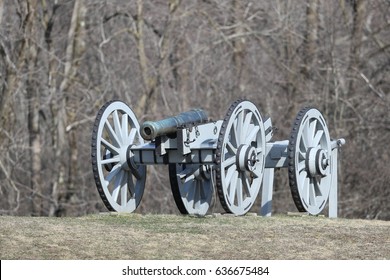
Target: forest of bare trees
(61, 60)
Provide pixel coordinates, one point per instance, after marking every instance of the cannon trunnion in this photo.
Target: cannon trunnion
(233, 156)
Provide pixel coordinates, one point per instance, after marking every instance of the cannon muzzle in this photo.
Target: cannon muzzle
(150, 130)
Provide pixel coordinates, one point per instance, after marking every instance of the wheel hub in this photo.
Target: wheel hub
(246, 158)
(317, 162)
(129, 164)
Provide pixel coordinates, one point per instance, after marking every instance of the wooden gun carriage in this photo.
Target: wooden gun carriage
(234, 156)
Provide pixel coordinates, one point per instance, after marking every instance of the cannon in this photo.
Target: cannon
(151, 130)
(232, 158)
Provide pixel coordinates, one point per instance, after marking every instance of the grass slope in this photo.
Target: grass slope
(137, 236)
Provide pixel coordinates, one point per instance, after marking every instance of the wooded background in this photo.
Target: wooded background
(61, 60)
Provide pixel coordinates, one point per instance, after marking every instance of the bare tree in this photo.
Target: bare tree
(33, 100)
(311, 36)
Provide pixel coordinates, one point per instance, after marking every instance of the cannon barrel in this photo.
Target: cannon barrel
(150, 130)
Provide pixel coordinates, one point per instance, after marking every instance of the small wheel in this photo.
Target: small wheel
(309, 161)
(192, 188)
(240, 157)
(119, 182)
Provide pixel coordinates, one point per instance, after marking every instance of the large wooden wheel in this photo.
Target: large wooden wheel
(120, 183)
(309, 161)
(240, 157)
(192, 187)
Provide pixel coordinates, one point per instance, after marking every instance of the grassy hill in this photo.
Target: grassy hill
(136, 236)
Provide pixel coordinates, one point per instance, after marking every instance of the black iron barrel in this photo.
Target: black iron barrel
(150, 130)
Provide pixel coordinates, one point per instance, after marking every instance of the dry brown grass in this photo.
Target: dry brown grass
(179, 237)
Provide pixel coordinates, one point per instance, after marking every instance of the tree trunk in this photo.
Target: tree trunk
(61, 193)
(359, 14)
(289, 52)
(8, 81)
(311, 37)
(239, 49)
(1, 10)
(33, 99)
(180, 74)
(148, 82)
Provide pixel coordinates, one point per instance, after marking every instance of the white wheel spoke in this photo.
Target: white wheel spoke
(117, 126)
(234, 136)
(306, 138)
(115, 159)
(312, 131)
(112, 134)
(247, 185)
(124, 189)
(245, 126)
(119, 178)
(312, 196)
(190, 178)
(305, 189)
(239, 191)
(114, 171)
(231, 149)
(115, 193)
(230, 173)
(109, 146)
(239, 124)
(117, 185)
(228, 162)
(302, 178)
(303, 144)
(125, 129)
(236, 133)
(185, 173)
(233, 186)
(317, 187)
(252, 135)
(133, 133)
(317, 138)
